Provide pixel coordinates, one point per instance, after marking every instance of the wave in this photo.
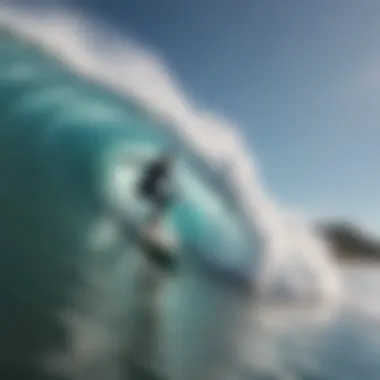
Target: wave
(293, 260)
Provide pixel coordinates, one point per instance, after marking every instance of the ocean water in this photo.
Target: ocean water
(259, 297)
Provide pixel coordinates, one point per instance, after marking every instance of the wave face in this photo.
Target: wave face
(80, 109)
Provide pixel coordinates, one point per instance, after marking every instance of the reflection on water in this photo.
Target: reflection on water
(344, 345)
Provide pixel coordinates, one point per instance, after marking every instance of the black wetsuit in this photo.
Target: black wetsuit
(152, 185)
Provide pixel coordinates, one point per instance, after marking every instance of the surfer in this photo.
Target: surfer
(156, 187)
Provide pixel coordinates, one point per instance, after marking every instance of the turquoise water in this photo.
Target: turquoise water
(69, 161)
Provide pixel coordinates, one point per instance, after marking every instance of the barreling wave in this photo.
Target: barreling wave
(74, 75)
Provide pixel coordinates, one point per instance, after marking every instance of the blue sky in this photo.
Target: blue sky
(301, 78)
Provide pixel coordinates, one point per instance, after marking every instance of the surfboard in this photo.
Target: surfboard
(161, 250)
